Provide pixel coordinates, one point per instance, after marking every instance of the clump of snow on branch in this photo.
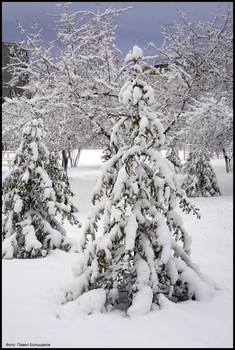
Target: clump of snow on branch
(134, 55)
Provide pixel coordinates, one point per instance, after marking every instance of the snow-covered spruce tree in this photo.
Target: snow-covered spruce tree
(143, 252)
(199, 177)
(173, 156)
(35, 192)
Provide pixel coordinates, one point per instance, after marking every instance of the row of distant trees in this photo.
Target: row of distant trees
(75, 79)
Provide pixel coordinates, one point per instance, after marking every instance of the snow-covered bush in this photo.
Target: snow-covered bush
(199, 177)
(106, 154)
(35, 192)
(173, 156)
(143, 250)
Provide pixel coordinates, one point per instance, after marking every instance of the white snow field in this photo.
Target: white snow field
(33, 289)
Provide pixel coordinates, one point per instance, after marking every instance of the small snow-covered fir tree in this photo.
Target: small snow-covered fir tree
(141, 256)
(35, 192)
(172, 155)
(200, 179)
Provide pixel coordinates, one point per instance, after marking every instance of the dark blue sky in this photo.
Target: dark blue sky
(138, 25)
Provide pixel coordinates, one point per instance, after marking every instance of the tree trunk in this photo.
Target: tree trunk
(227, 161)
(65, 160)
(74, 156)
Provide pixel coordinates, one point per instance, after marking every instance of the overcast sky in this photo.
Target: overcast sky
(138, 25)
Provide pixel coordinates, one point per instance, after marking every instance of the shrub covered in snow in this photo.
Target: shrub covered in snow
(173, 156)
(35, 191)
(199, 177)
(144, 250)
(106, 154)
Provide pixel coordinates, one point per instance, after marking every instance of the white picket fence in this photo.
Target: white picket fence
(213, 155)
(186, 150)
(8, 158)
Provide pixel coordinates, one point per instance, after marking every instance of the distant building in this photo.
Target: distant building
(9, 50)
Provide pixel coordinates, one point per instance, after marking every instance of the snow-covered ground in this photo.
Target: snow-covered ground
(32, 289)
